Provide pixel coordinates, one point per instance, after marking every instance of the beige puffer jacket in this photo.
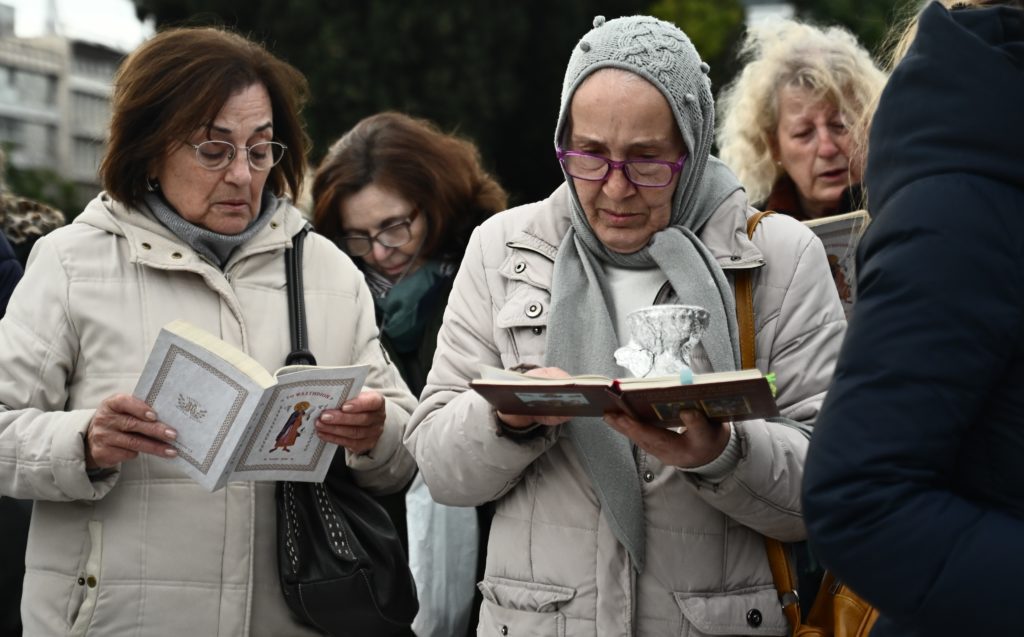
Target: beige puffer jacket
(554, 566)
(146, 551)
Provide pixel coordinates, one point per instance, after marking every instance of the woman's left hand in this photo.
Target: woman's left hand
(357, 426)
(696, 443)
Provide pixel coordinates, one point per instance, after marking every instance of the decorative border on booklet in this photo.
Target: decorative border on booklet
(252, 442)
(173, 352)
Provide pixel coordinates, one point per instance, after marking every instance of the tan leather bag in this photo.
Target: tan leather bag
(837, 610)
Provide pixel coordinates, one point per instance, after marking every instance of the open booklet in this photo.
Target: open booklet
(235, 420)
(738, 395)
(840, 235)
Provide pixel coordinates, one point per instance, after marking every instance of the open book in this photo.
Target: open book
(739, 395)
(235, 420)
(840, 234)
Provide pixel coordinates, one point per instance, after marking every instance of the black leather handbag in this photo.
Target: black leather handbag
(342, 566)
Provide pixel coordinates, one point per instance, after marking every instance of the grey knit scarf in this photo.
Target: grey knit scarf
(581, 334)
(213, 246)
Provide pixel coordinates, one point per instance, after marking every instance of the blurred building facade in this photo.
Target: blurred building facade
(767, 9)
(55, 102)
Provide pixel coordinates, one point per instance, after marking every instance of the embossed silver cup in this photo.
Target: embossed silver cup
(662, 338)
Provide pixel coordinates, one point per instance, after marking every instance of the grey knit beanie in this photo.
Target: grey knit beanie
(661, 53)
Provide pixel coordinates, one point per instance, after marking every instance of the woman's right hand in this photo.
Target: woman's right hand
(523, 422)
(122, 428)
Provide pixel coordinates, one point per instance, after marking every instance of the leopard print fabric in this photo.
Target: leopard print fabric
(24, 220)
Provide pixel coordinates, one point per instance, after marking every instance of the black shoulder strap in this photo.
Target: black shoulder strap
(300, 354)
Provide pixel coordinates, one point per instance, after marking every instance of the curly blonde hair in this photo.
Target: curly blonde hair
(829, 62)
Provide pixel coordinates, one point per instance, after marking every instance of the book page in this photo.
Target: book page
(839, 235)
(494, 375)
(283, 444)
(698, 379)
(229, 353)
(206, 399)
(731, 396)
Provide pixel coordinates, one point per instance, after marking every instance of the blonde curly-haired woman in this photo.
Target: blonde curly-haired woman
(786, 122)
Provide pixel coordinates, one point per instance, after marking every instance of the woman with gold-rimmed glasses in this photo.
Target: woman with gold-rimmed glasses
(206, 155)
(401, 198)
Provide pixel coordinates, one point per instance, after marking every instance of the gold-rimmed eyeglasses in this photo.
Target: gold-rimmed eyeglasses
(218, 155)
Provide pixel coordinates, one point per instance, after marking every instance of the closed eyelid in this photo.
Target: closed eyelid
(643, 151)
(588, 143)
(383, 225)
(263, 133)
(792, 122)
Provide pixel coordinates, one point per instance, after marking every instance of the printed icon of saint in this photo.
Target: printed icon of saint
(290, 432)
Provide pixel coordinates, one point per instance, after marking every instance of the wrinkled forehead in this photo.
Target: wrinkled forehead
(608, 85)
(621, 98)
(795, 101)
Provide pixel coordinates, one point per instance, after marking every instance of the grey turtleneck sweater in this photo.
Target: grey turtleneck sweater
(213, 246)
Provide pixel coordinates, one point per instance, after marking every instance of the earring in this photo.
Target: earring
(152, 185)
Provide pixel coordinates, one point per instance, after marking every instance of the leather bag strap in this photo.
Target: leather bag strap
(300, 354)
(745, 302)
(785, 581)
(778, 557)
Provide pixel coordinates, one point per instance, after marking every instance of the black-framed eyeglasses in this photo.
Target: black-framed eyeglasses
(218, 155)
(644, 173)
(394, 236)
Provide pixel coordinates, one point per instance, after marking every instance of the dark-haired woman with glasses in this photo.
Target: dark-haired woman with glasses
(206, 153)
(401, 198)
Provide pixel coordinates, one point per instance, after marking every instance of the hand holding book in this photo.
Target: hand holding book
(235, 420)
(357, 426)
(122, 428)
(525, 422)
(738, 395)
(682, 425)
(694, 442)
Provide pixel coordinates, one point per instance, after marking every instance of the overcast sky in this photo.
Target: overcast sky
(110, 22)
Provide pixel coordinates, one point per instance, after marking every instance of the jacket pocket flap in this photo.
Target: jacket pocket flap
(529, 267)
(735, 613)
(495, 620)
(528, 596)
(525, 307)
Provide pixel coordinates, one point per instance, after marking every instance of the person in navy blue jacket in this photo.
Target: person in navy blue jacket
(13, 513)
(10, 272)
(914, 487)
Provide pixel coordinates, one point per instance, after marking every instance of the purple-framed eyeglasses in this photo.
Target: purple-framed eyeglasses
(643, 173)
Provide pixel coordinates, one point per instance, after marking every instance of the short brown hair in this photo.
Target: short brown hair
(439, 173)
(179, 80)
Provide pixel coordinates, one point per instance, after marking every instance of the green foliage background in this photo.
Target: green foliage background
(714, 26)
(870, 20)
(490, 71)
(46, 186)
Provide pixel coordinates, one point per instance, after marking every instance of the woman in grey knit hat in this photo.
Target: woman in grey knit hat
(613, 526)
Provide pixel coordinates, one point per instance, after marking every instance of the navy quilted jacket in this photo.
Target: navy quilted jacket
(10, 272)
(914, 489)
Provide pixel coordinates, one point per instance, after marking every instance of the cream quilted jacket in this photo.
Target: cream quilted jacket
(553, 565)
(145, 551)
